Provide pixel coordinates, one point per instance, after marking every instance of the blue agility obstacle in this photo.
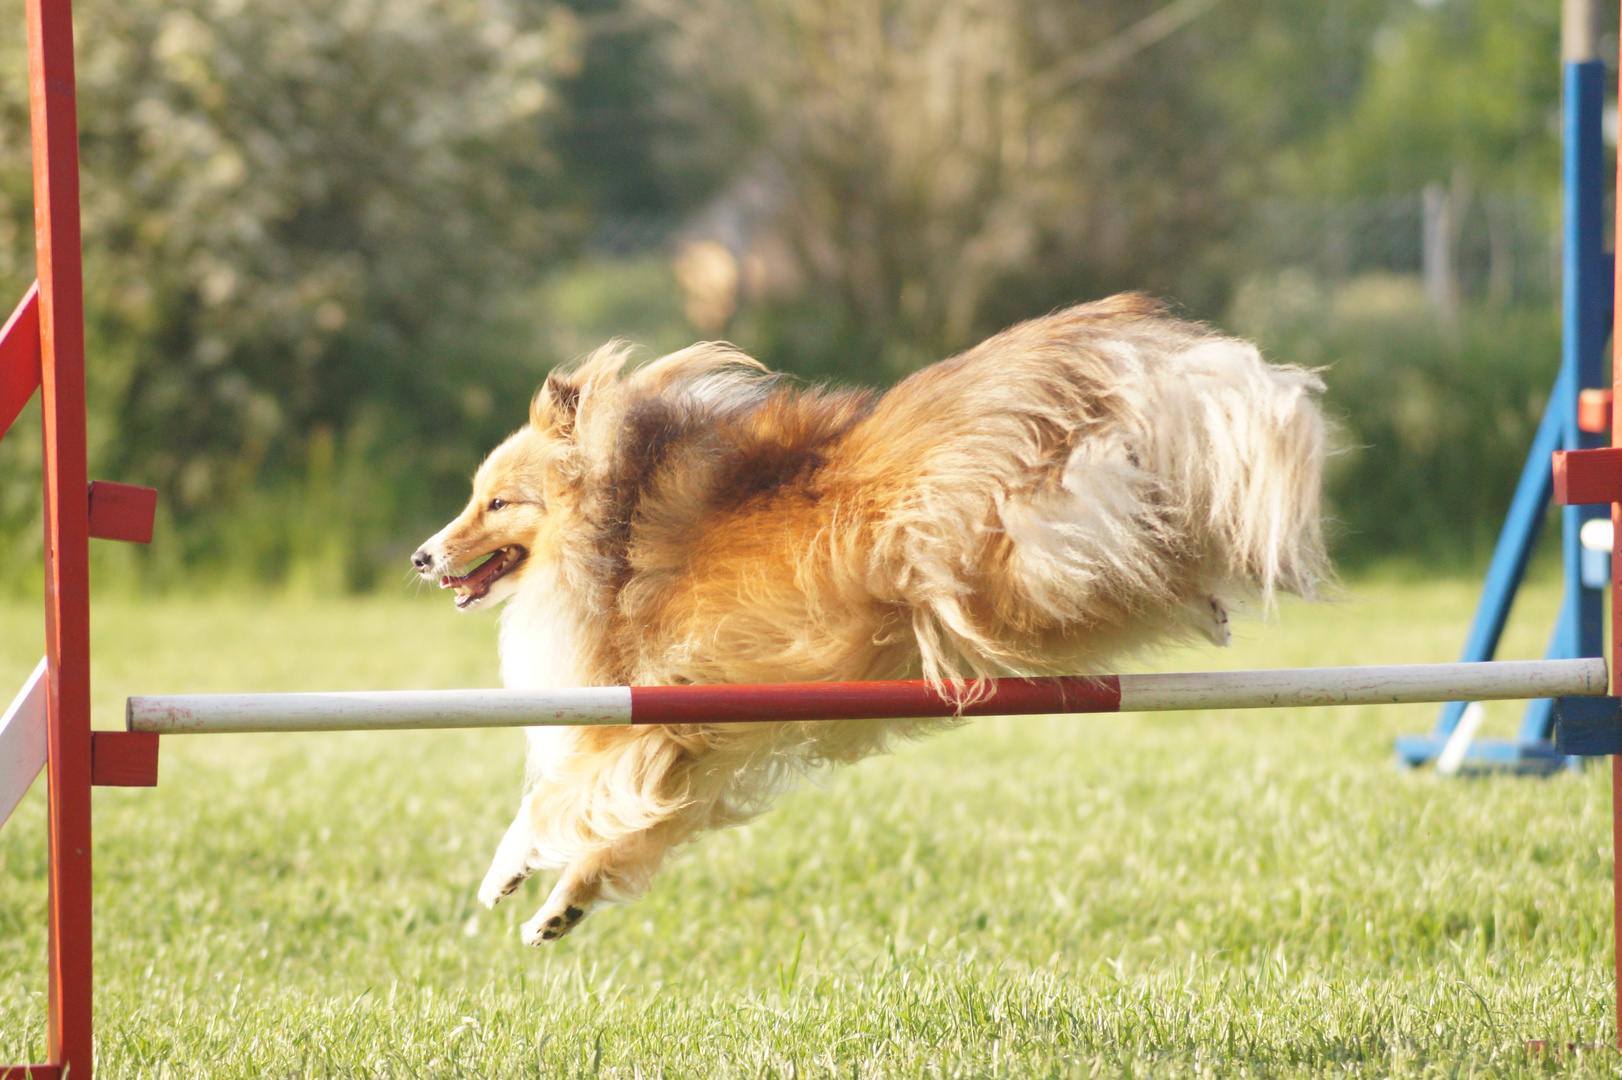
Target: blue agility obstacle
(1586, 312)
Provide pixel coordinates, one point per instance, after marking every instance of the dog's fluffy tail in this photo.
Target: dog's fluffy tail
(1199, 493)
(1237, 447)
(1188, 484)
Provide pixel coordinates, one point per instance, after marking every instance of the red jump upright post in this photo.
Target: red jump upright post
(1616, 596)
(51, 92)
(1616, 600)
(1595, 476)
(42, 345)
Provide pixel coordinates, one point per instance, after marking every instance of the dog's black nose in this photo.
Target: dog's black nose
(422, 561)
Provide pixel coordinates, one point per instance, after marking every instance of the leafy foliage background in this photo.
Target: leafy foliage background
(331, 247)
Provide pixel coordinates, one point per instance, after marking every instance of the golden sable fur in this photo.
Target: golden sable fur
(1070, 491)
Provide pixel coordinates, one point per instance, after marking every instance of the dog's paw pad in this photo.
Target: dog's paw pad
(490, 895)
(544, 927)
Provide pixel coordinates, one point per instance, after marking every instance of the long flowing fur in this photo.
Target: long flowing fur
(1055, 500)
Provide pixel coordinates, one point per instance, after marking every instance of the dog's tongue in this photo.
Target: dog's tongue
(475, 577)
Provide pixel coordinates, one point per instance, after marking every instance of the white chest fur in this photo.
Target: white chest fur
(540, 637)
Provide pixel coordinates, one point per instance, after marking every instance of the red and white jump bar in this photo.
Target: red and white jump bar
(385, 710)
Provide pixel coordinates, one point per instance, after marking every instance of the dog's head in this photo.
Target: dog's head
(514, 520)
(534, 497)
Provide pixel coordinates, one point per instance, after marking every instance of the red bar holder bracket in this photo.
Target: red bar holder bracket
(124, 758)
(1583, 477)
(122, 511)
(30, 1072)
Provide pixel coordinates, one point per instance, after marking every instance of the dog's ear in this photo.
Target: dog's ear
(556, 404)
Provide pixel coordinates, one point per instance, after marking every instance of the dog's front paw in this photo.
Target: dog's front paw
(498, 885)
(515, 860)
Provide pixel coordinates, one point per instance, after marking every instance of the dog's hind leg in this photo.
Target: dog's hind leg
(516, 857)
(573, 898)
(609, 813)
(616, 873)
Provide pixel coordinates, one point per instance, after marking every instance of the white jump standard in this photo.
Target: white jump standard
(619, 705)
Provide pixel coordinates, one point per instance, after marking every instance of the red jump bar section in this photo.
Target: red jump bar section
(864, 701)
(124, 758)
(1582, 477)
(30, 1072)
(122, 511)
(19, 358)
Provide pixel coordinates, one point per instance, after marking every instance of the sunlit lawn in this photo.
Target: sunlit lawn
(1216, 894)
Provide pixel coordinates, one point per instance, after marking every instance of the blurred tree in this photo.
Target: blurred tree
(607, 135)
(1439, 382)
(298, 213)
(1454, 93)
(909, 175)
(314, 231)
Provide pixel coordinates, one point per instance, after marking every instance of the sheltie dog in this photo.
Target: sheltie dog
(1063, 495)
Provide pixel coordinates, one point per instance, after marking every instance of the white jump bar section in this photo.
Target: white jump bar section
(1496, 680)
(402, 709)
(380, 710)
(22, 741)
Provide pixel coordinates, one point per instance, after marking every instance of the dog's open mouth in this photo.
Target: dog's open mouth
(475, 584)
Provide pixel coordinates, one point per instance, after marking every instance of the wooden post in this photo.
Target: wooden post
(67, 543)
(1616, 869)
(1579, 31)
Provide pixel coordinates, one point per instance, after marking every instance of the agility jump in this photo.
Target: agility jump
(42, 346)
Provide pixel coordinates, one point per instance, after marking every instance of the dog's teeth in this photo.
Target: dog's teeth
(445, 582)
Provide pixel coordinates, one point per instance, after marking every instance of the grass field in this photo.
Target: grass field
(1257, 894)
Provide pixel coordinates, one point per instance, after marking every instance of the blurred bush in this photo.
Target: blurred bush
(332, 247)
(908, 177)
(301, 220)
(1432, 424)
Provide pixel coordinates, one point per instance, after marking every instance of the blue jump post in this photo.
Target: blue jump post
(1586, 303)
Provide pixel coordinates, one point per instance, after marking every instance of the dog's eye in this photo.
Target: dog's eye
(497, 504)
